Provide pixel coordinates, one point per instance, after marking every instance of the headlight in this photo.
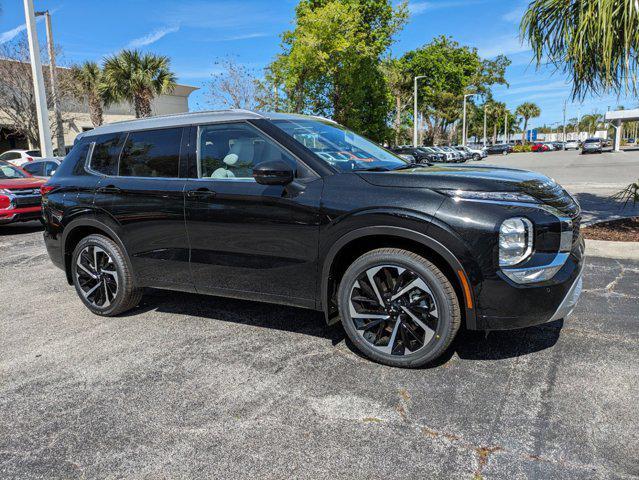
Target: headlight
(490, 196)
(515, 241)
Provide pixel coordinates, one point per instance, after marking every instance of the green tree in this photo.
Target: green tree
(450, 71)
(137, 78)
(495, 112)
(87, 80)
(331, 61)
(591, 122)
(527, 110)
(596, 43)
(399, 86)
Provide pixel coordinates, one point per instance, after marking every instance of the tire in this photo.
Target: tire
(422, 320)
(102, 277)
(505, 152)
(476, 157)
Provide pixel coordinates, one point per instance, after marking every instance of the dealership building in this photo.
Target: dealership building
(76, 119)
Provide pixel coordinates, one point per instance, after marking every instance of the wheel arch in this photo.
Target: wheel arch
(80, 228)
(357, 242)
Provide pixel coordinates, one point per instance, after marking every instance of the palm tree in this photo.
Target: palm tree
(590, 122)
(527, 110)
(594, 42)
(495, 111)
(137, 78)
(87, 80)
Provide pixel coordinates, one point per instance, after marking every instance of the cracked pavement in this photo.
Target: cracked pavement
(189, 386)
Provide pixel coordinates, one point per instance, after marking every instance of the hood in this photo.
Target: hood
(18, 183)
(478, 178)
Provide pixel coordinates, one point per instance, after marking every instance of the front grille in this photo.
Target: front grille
(26, 197)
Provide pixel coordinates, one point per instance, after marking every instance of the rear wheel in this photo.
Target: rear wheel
(102, 277)
(398, 308)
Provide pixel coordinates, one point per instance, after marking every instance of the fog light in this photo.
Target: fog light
(515, 241)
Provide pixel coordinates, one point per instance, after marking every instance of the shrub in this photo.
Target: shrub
(521, 148)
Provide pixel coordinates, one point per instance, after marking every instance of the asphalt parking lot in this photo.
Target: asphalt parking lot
(591, 178)
(188, 386)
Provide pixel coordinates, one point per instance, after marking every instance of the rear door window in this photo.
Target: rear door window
(106, 153)
(33, 168)
(152, 153)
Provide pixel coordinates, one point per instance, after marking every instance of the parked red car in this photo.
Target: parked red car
(20, 195)
(540, 147)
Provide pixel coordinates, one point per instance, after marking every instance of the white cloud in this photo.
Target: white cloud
(244, 37)
(504, 45)
(539, 87)
(416, 8)
(11, 34)
(152, 37)
(515, 14)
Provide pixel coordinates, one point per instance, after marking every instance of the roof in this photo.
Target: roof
(190, 118)
(627, 115)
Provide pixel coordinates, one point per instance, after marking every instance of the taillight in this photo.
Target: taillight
(44, 189)
(29, 159)
(5, 202)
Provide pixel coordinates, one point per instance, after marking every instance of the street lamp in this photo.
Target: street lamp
(415, 110)
(52, 74)
(464, 120)
(38, 82)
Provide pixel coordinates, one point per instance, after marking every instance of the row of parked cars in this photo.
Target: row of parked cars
(22, 175)
(442, 154)
(590, 145)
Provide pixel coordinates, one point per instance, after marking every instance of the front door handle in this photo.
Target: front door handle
(109, 189)
(200, 193)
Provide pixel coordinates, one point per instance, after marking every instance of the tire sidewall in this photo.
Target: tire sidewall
(96, 240)
(436, 346)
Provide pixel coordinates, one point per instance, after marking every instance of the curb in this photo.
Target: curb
(610, 249)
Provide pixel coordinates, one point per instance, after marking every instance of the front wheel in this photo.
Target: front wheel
(398, 308)
(476, 157)
(102, 277)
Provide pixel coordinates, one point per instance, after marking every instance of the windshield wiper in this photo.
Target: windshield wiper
(372, 169)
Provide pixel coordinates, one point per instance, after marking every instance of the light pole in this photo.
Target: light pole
(564, 125)
(484, 124)
(506, 127)
(415, 109)
(464, 120)
(38, 82)
(53, 74)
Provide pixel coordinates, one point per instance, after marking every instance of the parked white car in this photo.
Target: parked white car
(571, 145)
(20, 157)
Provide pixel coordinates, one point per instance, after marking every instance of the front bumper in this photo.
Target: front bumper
(19, 215)
(504, 305)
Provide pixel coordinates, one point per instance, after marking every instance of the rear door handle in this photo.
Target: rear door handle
(109, 189)
(200, 193)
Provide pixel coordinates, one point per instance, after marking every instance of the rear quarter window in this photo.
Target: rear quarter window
(152, 153)
(106, 153)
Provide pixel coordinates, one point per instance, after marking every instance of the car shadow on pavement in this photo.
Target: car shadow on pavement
(468, 345)
(20, 228)
(596, 208)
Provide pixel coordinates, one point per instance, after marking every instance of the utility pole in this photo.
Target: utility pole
(415, 109)
(464, 120)
(506, 127)
(484, 124)
(53, 74)
(564, 126)
(38, 82)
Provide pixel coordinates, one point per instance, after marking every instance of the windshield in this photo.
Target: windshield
(341, 148)
(592, 140)
(8, 172)
(33, 153)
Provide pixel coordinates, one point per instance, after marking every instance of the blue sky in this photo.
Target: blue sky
(194, 33)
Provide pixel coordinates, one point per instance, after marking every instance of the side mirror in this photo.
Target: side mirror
(273, 172)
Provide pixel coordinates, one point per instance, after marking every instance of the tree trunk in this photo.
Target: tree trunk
(495, 133)
(523, 134)
(95, 110)
(398, 118)
(142, 105)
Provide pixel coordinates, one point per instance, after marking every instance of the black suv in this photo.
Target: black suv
(301, 211)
